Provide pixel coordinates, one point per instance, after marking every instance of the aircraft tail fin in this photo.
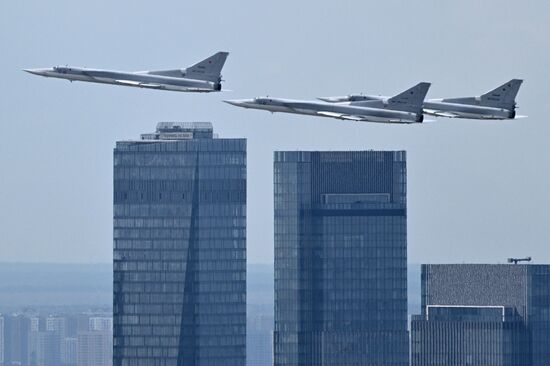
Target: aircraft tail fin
(502, 97)
(411, 100)
(208, 69)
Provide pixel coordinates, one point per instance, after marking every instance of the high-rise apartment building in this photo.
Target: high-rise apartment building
(58, 326)
(1, 340)
(16, 335)
(483, 315)
(45, 348)
(180, 248)
(340, 258)
(71, 350)
(259, 340)
(97, 323)
(95, 348)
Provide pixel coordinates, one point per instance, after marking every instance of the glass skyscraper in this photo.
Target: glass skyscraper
(483, 315)
(180, 249)
(340, 258)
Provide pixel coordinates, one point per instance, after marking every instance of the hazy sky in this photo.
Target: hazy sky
(477, 191)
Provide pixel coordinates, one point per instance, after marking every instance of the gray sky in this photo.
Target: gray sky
(477, 191)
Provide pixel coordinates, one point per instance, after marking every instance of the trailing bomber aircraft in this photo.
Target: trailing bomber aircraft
(405, 107)
(203, 77)
(496, 104)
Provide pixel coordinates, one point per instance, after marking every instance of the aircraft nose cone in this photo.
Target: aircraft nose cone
(35, 71)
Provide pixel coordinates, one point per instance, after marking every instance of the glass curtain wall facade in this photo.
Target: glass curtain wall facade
(469, 335)
(340, 258)
(180, 249)
(520, 337)
(538, 293)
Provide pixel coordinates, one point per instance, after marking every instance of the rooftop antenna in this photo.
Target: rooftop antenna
(517, 260)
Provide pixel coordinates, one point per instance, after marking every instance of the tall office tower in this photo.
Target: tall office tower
(340, 258)
(180, 248)
(483, 315)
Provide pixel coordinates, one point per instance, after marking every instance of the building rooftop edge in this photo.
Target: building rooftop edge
(486, 264)
(337, 151)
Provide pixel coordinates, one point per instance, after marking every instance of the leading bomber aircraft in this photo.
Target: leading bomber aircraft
(203, 77)
(405, 107)
(497, 104)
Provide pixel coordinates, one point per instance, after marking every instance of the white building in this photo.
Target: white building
(102, 324)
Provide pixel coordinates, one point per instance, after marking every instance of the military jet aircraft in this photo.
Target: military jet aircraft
(496, 104)
(202, 77)
(405, 107)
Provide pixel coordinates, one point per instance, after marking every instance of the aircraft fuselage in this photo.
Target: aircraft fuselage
(334, 110)
(137, 79)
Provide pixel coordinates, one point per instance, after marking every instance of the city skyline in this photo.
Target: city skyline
(458, 164)
(328, 214)
(62, 339)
